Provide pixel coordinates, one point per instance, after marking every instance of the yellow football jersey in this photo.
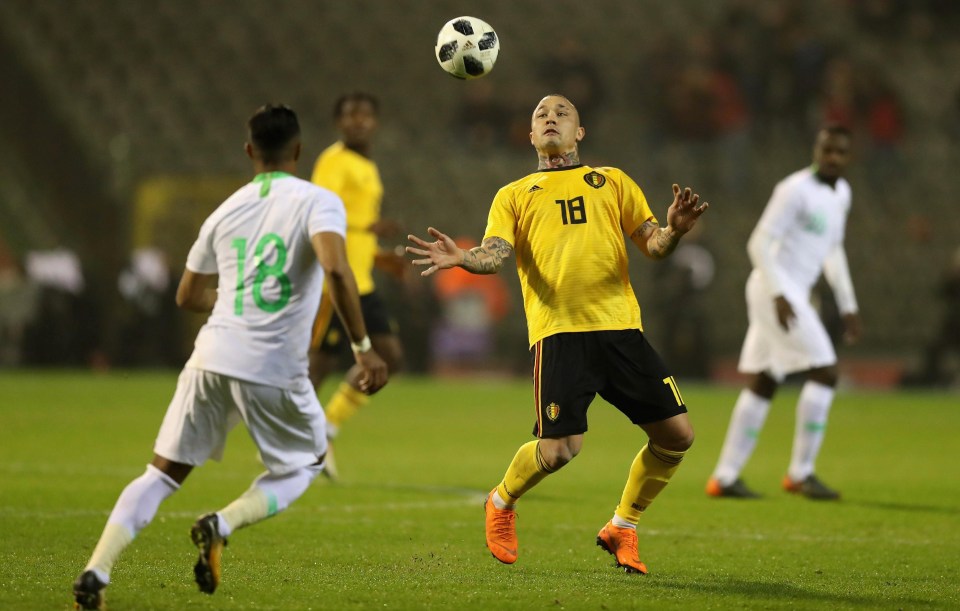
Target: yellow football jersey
(356, 180)
(567, 229)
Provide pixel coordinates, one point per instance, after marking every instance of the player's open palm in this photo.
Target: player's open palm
(441, 254)
(686, 208)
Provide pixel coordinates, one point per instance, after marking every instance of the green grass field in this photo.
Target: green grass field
(405, 527)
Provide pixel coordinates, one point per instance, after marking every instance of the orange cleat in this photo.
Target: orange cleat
(812, 488)
(737, 490)
(622, 543)
(501, 530)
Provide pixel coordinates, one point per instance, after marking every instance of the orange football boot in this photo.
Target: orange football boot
(622, 543)
(501, 530)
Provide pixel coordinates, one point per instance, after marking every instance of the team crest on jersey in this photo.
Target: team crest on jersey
(816, 223)
(553, 412)
(595, 179)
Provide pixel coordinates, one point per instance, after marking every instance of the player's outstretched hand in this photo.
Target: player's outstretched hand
(442, 254)
(686, 208)
(374, 376)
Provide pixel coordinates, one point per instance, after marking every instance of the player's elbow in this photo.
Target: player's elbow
(336, 274)
(190, 303)
(759, 247)
(184, 299)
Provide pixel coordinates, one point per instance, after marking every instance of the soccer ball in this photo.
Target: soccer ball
(467, 47)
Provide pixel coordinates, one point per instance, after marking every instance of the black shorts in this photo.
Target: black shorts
(375, 315)
(570, 369)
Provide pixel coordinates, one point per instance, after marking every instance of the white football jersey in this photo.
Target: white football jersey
(806, 220)
(270, 281)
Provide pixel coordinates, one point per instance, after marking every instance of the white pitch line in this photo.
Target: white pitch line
(467, 498)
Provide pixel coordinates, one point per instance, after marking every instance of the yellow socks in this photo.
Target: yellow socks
(525, 471)
(650, 472)
(343, 405)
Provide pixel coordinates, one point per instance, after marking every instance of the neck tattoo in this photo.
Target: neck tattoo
(562, 160)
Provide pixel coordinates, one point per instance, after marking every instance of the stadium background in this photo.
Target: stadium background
(122, 129)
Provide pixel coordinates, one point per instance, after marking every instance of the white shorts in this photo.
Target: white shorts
(288, 427)
(768, 348)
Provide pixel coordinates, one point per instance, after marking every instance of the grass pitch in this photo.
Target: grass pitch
(405, 528)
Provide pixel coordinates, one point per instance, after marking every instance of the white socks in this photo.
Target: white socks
(269, 495)
(749, 415)
(746, 422)
(135, 508)
(498, 501)
(138, 503)
(812, 410)
(621, 523)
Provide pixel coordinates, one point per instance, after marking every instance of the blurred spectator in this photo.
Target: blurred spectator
(660, 60)
(953, 116)
(682, 281)
(797, 57)
(571, 71)
(17, 302)
(65, 328)
(884, 130)
(732, 124)
(708, 113)
(742, 36)
(149, 321)
(471, 305)
(838, 94)
(483, 118)
(880, 18)
(946, 339)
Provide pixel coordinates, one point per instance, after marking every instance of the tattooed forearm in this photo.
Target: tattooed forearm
(643, 230)
(662, 242)
(655, 241)
(488, 258)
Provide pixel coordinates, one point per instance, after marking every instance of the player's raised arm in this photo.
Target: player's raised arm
(444, 253)
(657, 242)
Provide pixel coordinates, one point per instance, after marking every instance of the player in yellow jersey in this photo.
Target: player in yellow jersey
(346, 168)
(566, 223)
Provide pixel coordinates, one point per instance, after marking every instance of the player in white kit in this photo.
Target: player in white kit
(261, 248)
(800, 234)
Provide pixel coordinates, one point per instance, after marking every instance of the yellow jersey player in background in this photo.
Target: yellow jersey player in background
(346, 168)
(566, 223)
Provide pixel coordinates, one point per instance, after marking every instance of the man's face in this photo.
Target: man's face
(831, 154)
(357, 122)
(555, 126)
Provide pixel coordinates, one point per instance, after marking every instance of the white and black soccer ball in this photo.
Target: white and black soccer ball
(467, 47)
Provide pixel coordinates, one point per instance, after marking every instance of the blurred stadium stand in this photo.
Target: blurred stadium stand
(107, 104)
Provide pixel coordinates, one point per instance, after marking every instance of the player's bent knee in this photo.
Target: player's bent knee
(283, 490)
(557, 452)
(675, 441)
(685, 443)
(828, 376)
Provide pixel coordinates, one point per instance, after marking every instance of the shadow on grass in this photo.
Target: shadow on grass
(414, 488)
(913, 507)
(781, 591)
